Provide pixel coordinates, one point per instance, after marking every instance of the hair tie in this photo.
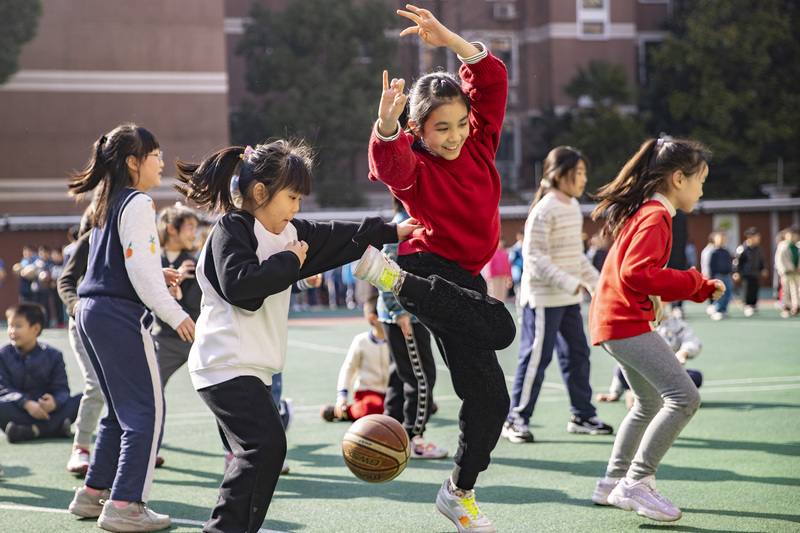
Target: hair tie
(236, 194)
(660, 142)
(102, 141)
(246, 153)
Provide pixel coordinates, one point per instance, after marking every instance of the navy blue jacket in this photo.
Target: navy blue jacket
(30, 376)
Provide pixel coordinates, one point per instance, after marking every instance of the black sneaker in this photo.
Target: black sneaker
(64, 431)
(19, 432)
(327, 413)
(516, 432)
(589, 426)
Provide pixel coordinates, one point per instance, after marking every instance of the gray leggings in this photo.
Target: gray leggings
(665, 399)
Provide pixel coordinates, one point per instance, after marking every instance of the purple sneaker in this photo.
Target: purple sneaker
(641, 496)
(601, 492)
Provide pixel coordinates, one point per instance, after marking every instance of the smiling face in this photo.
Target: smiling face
(446, 129)
(21, 333)
(146, 174)
(276, 214)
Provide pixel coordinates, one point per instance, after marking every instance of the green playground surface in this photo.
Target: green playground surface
(735, 468)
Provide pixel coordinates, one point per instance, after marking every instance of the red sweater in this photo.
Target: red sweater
(633, 270)
(456, 201)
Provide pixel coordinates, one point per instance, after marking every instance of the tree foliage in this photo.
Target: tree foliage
(18, 22)
(318, 65)
(728, 76)
(596, 124)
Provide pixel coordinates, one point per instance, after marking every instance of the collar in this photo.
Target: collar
(658, 197)
(374, 339)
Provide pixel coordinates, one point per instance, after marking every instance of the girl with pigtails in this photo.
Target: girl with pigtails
(253, 255)
(123, 282)
(638, 206)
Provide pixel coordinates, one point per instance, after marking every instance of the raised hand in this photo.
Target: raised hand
(427, 26)
(393, 101)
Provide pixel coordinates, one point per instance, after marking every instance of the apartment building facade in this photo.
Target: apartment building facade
(542, 42)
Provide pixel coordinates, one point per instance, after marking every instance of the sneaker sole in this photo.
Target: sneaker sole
(86, 511)
(600, 497)
(515, 439)
(628, 504)
(118, 525)
(423, 456)
(457, 523)
(575, 428)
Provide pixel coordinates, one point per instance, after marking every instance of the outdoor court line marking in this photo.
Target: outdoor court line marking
(183, 521)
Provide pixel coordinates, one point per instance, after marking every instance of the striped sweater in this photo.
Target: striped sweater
(554, 263)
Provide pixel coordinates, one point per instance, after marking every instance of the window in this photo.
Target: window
(502, 48)
(593, 19)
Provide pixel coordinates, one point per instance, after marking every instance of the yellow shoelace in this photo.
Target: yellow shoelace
(469, 505)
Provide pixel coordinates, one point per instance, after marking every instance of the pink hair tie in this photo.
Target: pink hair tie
(247, 152)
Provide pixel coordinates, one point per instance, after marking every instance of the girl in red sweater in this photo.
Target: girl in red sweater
(442, 169)
(639, 204)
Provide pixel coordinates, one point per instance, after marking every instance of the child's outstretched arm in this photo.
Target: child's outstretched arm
(393, 101)
(434, 32)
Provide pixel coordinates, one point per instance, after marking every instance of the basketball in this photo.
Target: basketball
(376, 448)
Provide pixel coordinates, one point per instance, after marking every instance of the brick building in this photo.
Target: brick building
(171, 67)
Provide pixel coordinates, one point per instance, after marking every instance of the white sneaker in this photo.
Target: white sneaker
(749, 311)
(88, 505)
(602, 490)
(641, 496)
(516, 432)
(133, 517)
(422, 449)
(460, 508)
(716, 316)
(710, 309)
(78, 462)
(379, 270)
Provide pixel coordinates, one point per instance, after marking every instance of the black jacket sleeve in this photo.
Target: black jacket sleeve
(337, 243)
(74, 270)
(234, 270)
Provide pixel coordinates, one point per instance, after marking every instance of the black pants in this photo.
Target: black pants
(251, 427)
(468, 327)
(750, 290)
(412, 375)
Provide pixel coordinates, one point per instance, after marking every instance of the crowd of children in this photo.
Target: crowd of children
(140, 301)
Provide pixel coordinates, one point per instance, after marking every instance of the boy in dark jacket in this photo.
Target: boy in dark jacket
(748, 267)
(34, 393)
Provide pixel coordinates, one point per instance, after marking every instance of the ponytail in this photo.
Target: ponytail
(225, 178)
(209, 183)
(645, 174)
(107, 173)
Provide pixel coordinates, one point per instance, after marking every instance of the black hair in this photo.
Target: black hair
(31, 311)
(371, 306)
(107, 172)
(175, 216)
(560, 164)
(278, 165)
(431, 92)
(645, 174)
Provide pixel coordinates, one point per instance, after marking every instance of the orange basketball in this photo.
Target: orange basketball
(376, 448)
